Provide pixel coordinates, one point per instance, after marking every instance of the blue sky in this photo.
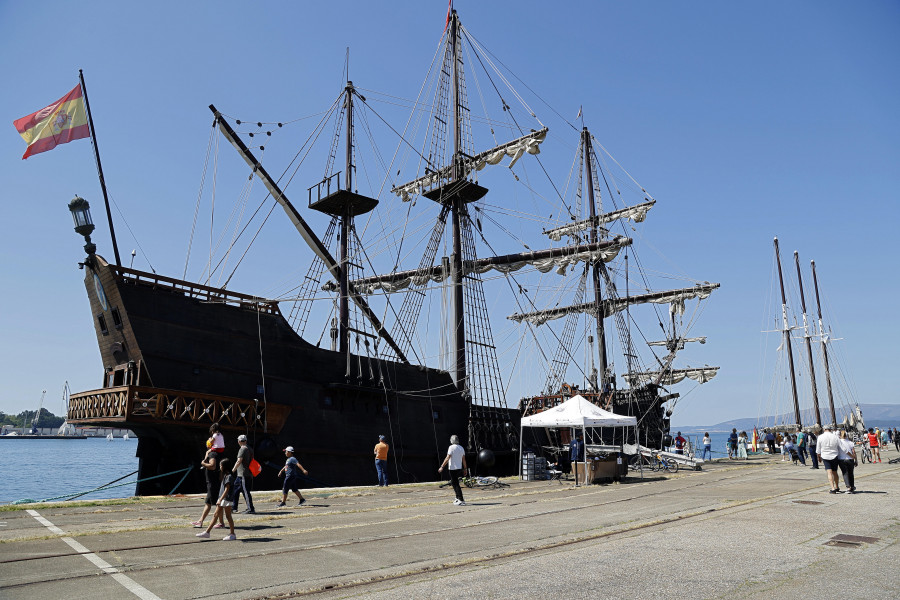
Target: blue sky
(745, 120)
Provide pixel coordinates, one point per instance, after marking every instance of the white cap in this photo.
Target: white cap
(289, 449)
(242, 438)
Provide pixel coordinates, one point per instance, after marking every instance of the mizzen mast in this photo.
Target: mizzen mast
(824, 339)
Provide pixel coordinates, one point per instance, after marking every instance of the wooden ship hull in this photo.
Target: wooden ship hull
(179, 356)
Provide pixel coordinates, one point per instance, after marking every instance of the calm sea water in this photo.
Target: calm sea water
(41, 469)
(719, 440)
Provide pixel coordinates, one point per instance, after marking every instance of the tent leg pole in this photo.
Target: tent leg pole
(521, 429)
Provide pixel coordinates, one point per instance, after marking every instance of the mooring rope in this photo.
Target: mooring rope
(108, 486)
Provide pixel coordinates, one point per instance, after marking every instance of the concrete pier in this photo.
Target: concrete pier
(752, 527)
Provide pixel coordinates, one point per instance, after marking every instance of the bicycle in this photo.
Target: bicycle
(865, 453)
(662, 463)
(473, 481)
(639, 462)
(656, 462)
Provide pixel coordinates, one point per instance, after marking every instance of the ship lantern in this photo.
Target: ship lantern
(84, 225)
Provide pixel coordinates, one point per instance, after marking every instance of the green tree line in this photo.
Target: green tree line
(46, 419)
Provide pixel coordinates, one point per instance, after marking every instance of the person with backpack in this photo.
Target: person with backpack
(243, 477)
(732, 443)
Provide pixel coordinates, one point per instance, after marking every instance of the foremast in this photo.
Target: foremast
(786, 333)
(337, 270)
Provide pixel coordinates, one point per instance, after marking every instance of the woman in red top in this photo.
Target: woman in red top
(873, 444)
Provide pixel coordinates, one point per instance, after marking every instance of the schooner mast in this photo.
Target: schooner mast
(786, 330)
(824, 339)
(806, 338)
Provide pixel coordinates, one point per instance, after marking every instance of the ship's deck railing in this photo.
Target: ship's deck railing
(138, 404)
(196, 290)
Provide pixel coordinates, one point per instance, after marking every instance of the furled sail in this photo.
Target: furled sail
(672, 376)
(675, 298)
(543, 260)
(679, 343)
(636, 213)
(529, 143)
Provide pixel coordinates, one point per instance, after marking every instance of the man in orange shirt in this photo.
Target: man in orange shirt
(381, 452)
(873, 443)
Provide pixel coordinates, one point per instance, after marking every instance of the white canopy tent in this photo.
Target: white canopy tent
(577, 411)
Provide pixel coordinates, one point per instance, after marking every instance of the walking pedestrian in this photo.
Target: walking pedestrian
(847, 458)
(679, 443)
(801, 445)
(210, 466)
(576, 455)
(770, 441)
(885, 439)
(873, 443)
(812, 438)
(827, 447)
(455, 461)
(707, 446)
(896, 440)
(742, 445)
(381, 454)
(291, 471)
(243, 477)
(732, 443)
(224, 503)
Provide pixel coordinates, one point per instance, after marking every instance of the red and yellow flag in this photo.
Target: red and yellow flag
(63, 121)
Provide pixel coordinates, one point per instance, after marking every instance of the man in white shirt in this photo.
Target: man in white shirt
(456, 458)
(828, 448)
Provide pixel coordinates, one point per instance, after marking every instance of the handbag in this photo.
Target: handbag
(255, 467)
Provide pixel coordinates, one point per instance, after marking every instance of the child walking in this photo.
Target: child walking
(224, 504)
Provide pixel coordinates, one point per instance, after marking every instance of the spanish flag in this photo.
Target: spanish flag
(63, 121)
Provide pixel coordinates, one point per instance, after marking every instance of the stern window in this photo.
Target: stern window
(101, 320)
(117, 318)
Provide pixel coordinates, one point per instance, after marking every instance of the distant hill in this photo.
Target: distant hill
(875, 415)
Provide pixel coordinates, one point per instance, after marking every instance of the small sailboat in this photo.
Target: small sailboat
(109, 437)
(125, 437)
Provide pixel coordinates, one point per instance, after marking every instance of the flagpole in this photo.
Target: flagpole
(112, 231)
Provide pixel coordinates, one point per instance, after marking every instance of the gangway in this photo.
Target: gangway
(683, 460)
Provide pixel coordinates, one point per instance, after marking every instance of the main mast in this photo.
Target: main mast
(457, 207)
(346, 219)
(787, 336)
(824, 344)
(806, 336)
(595, 269)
